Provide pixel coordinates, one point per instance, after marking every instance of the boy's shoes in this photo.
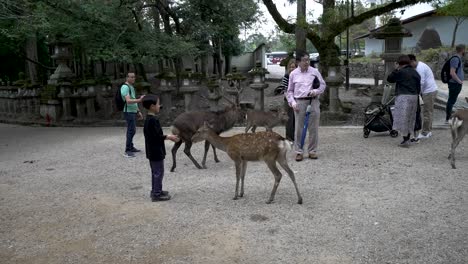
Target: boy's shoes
(415, 140)
(299, 157)
(129, 154)
(160, 198)
(313, 156)
(134, 150)
(405, 144)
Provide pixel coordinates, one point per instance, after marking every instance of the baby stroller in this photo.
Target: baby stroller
(379, 115)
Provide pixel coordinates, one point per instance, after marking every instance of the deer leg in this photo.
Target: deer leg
(247, 127)
(461, 133)
(284, 164)
(174, 151)
(254, 128)
(269, 129)
(272, 166)
(207, 147)
(243, 170)
(238, 172)
(214, 154)
(188, 146)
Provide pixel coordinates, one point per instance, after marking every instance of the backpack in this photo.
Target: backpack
(445, 73)
(119, 101)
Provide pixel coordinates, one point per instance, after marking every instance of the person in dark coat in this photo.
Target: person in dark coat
(155, 148)
(407, 90)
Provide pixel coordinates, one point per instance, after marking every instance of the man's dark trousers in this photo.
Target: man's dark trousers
(131, 129)
(454, 91)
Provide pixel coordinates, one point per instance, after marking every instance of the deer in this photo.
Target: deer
(268, 119)
(186, 125)
(241, 148)
(459, 128)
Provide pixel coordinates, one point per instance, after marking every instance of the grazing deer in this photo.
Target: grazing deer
(266, 119)
(186, 125)
(459, 128)
(267, 146)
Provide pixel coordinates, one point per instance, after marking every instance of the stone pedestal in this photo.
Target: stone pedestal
(51, 111)
(166, 90)
(107, 97)
(393, 34)
(213, 101)
(188, 92)
(334, 82)
(259, 94)
(64, 95)
(259, 85)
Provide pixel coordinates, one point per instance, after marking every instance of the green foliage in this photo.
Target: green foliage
(432, 55)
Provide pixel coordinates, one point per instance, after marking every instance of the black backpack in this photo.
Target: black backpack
(119, 101)
(445, 73)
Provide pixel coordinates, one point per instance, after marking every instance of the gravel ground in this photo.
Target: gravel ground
(68, 196)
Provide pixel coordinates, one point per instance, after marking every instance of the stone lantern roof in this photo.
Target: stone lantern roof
(393, 29)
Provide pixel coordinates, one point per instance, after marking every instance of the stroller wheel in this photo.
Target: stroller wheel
(366, 132)
(393, 133)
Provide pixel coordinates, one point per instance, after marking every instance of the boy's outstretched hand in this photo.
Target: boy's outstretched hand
(173, 138)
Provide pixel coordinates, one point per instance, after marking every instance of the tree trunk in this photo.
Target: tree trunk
(220, 59)
(31, 52)
(227, 64)
(301, 25)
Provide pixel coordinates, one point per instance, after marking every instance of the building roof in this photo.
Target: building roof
(405, 21)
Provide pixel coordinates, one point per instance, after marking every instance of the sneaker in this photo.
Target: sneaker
(134, 150)
(128, 154)
(160, 198)
(162, 193)
(415, 140)
(423, 135)
(405, 144)
(313, 156)
(299, 157)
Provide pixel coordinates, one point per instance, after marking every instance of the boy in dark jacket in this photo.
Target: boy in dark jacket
(155, 148)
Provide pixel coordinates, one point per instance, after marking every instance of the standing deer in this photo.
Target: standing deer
(186, 125)
(267, 146)
(459, 128)
(266, 119)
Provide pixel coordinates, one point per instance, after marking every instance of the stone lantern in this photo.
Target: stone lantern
(189, 87)
(258, 84)
(61, 80)
(214, 93)
(167, 86)
(235, 79)
(62, 52)
(334, 81)
(392, 34)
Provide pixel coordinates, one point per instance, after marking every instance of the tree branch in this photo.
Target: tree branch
(166, 8)
(283, 24)
(344, 24)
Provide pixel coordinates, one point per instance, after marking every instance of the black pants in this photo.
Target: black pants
(157, 175)
(290, 124)
(418, 123)
(454, 91)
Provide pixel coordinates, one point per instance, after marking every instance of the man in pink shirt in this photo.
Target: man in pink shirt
(300, 93)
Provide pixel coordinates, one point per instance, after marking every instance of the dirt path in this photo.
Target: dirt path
(68, 196)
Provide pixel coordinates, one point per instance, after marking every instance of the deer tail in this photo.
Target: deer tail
(175, 130)
(285, 145)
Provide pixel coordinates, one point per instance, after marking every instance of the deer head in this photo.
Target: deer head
(203, 132)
